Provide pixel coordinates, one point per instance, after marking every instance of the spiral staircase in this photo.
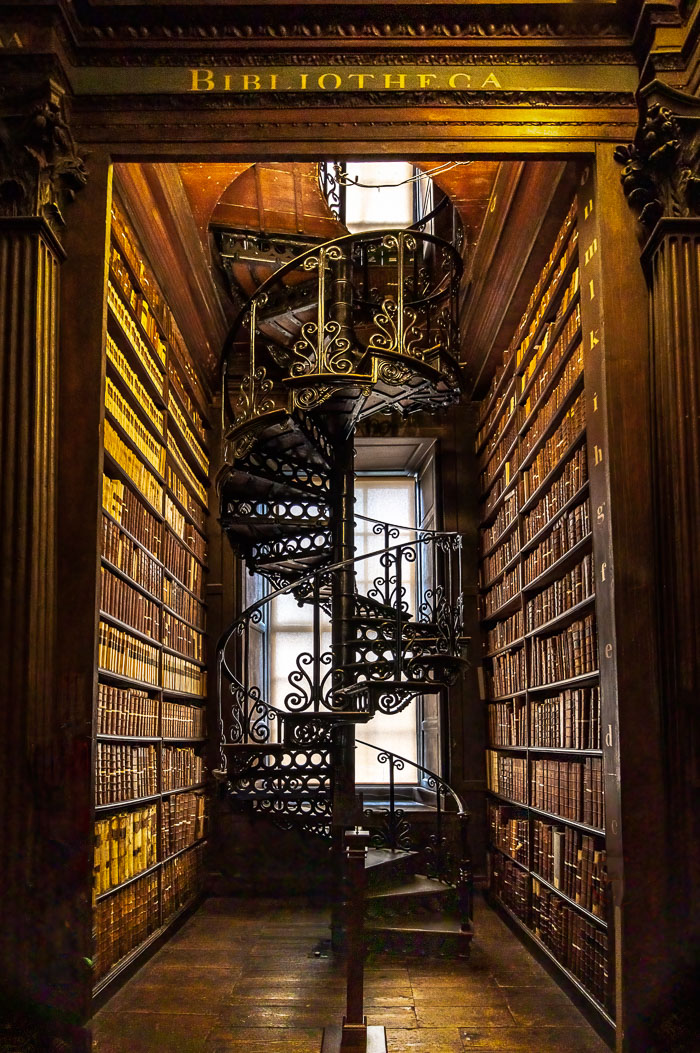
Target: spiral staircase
(361, 325)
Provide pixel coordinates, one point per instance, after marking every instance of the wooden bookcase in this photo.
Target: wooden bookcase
(546, 705)
(149, 728)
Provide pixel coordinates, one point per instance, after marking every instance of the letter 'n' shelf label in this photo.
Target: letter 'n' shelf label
(193, 80)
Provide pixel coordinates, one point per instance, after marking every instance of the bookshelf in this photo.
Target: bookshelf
(544, 764)
(150, 807)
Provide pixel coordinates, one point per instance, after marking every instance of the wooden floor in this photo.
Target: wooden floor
(242, 976)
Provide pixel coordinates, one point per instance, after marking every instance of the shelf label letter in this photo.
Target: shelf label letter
(590, 252)
(594, 339)
(588, 208)
(597, 453)
(602, 571)
(608, 650)
(600, 514)
(609, 736)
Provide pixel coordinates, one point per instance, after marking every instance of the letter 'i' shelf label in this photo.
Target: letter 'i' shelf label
(203, 80)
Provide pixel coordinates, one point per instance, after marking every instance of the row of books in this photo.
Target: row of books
(178, 523)
(508, 723)
(178, 386)
(563, 594)
(574, 862)
(124, 772)
(553, 450)
(568, 720)
(546, 289)
(132, 465)
(182, 879)
(501, 438)
(558, 396)
(133, 336)
(130, 558)
(572, 789)
(507, 673)
(180, 637)
(119, 652)
(182, 602)
(510, 831)
(507, 775)
(180, 767)
(580, 945)
(543, 365)
(123, 413)
(183, 467)
(126, 711)
(572, 479)
(504, 590)
(567, 532)
(505, 632)
(509, 884)
(125, 844)
(505, 517)
(138, 302)
(502, 482)
(572, 652)
(130, 378)
(181, 675)
(126, 603)
(188, 434)
(120, 501)
(182, 821)
(182, 564)
(506, 441)
(183, 722)
(123, 921)
(519, 347)
(504, 554)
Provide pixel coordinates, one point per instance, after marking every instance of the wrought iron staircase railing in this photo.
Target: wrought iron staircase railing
(360, 325)
(444, 849)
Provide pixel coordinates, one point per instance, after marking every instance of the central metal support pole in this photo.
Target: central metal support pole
(355, 1036)
(342, 609)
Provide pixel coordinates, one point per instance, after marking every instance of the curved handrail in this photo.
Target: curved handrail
(411, 529)
(284, 590)
(366, 235)
(439, 783)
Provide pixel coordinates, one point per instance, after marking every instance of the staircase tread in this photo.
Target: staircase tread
(435, 923)
(378, 857)
(416, 885)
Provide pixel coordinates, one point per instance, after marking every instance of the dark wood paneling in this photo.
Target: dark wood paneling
(29, 289)
(81, 410)
(614, 321)
(674, 264)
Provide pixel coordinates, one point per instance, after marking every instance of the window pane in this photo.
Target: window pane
(383, 498)
(370, 208)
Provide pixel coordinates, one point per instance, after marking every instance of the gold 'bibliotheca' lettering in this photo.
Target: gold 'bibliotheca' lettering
(339, 79)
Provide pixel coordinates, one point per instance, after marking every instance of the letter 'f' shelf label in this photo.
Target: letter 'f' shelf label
(202, 80)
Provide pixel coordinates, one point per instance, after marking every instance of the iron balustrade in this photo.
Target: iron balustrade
(444, 857)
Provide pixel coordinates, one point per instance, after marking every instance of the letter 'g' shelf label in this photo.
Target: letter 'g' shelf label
(202, 80)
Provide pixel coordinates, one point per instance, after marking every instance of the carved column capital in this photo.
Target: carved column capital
(41, 170)
(661, 168)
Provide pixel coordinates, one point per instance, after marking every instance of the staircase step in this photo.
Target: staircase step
(422, 892)
(434, 935)
(385, 868)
